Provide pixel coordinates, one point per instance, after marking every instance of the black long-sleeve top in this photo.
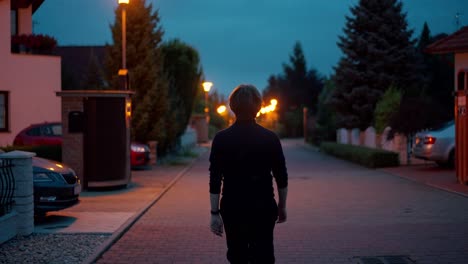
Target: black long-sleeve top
(244, 159)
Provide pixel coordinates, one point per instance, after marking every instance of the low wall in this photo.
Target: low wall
(20, 221)
(369, 138)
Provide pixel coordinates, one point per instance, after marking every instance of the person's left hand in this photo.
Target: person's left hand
(216, 224)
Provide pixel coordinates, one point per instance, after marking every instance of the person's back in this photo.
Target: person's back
(248, 153)
(244, 159)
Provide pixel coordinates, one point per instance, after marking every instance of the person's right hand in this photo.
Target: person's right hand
(282, 215)
(216, 224)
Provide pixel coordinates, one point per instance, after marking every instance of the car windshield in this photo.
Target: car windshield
(57, 130)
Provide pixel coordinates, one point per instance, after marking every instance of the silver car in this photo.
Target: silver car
(436, 145)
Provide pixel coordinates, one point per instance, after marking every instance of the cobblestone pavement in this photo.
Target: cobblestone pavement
(338, 213)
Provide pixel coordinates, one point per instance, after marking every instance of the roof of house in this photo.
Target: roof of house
(76, 60)
(454, 43)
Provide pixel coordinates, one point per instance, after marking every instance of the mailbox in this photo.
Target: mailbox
(461, 127)
(75, 122)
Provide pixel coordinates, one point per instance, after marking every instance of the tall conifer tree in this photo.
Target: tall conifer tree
(378, 51)
(144, 61)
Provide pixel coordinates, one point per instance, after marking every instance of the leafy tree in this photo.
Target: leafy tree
(434, 104)
(386, 108)
(378, 51)
(439, 70)
(144, 61)
(325, 124)
(183, 71)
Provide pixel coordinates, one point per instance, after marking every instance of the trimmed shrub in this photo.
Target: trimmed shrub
(46, 152)
(369, 157)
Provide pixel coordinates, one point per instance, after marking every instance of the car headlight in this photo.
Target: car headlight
(47, 177)
(136, 148)
(41, 177)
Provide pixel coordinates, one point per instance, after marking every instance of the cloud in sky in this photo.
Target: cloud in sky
(244, 40)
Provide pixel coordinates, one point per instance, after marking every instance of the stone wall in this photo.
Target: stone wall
(369, 138)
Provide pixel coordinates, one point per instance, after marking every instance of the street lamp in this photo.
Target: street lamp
(221, 109)
(123, 72)
(206, 88)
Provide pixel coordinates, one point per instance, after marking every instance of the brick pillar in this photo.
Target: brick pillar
(23, 197)
(72, 146)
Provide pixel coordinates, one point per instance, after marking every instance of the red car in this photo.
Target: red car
(40, 134)
(51, 134)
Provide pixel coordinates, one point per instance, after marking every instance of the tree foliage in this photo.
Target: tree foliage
(183, 71)
(144, 61)
(378, 51)
(434, 103)
(386, 108)
(325, 124)
(295, 88)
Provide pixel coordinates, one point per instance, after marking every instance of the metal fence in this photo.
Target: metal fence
(7, 186)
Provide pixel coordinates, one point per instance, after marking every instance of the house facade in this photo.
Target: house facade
(457, 43)
(28, 82)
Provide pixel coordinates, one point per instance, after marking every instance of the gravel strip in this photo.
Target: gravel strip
(51, 248)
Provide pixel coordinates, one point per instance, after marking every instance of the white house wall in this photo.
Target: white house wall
(31, 80)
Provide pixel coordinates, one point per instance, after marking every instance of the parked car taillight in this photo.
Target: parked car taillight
(429, 140)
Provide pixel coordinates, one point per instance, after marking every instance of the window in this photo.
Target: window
(4, 111)
(34, 132)
(14, 22)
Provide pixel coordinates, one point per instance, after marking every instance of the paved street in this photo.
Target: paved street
(338, 213)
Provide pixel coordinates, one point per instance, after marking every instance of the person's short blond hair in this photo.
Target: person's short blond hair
(245, 101)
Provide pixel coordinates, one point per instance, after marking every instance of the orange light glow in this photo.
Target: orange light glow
(128, 110)
(207, 86)
(221, 109)
(269, 108)
(124, 1)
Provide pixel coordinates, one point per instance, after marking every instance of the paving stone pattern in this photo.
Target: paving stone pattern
(338, 213)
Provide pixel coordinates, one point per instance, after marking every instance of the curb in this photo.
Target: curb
(432, 185)
(132, 220)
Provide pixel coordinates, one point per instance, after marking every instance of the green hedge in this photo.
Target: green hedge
(47, 152)
(372, 158)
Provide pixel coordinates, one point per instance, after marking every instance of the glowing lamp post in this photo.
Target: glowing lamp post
(123, 72)
(206, 88)
(221, 109)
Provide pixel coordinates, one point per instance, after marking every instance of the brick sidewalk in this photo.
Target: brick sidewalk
(107, 211)
(338, 213)
(432, 175)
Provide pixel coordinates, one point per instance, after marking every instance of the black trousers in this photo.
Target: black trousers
(249, 232)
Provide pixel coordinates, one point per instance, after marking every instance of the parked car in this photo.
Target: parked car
(50, 133)
(436, 145)
(139, 154)
(40, 134)
(56, 186)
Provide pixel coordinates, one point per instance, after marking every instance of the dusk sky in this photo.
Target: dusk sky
(242, 41)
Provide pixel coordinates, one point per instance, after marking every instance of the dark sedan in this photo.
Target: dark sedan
(56, 186)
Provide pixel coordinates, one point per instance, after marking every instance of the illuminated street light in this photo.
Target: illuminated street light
(206, 87)
(123, 72)
(221, 109)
